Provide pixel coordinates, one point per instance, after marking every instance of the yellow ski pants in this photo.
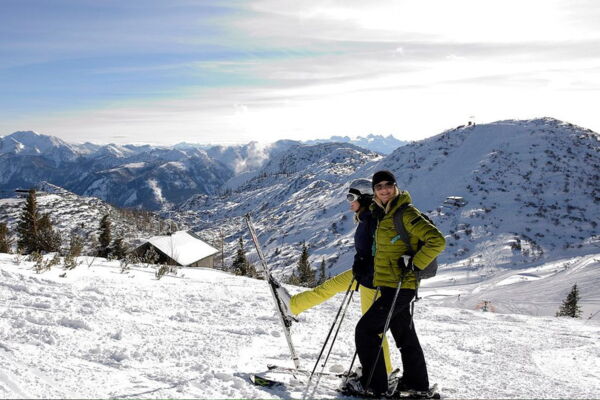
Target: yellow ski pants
(338, 284)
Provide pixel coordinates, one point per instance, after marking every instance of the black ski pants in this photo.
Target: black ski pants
(368, 340)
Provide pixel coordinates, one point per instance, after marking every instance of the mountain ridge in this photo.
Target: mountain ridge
(510, 173)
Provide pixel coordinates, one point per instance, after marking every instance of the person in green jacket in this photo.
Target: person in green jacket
(359, 196)
(395, 265)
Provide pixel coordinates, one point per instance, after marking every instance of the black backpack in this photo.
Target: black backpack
(430, 270)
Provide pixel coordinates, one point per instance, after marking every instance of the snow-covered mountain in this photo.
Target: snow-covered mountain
(377, 143)
(292, 197)
(99, 332)
(531, 190)
(29, 143)
(128, 176)
(140, 176)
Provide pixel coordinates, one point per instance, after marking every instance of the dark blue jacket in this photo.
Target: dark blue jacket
(363, 243)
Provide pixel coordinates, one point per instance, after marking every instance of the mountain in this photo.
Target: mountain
(29, 143)
(150, 180)
(292, 198)
(128, 176)
(377, 143)
(140, 176)
(73, 214)
(531, 190)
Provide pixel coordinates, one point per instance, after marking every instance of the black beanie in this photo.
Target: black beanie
(381, 176)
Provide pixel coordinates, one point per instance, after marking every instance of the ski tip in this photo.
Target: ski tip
(264, 382)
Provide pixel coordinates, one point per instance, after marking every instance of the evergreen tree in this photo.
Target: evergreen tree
(5, 240)
(570, 306)
(27, 228)
(306, 275)
(240, 265)
(119, 248)
(104, 237)
(48, 240)
(322, 272)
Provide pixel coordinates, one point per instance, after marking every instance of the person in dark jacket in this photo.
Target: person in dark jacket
(395, 267)
(359, 196)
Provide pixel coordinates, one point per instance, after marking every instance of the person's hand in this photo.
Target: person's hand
(405, 263)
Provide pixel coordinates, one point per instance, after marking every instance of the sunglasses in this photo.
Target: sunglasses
(352, 197)
(384, 185)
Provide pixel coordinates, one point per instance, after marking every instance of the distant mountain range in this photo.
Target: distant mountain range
(143, 176)
(377, 143)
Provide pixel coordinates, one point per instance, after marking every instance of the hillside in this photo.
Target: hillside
(531, 190)
(76, 215)
(532, 187)
(294, 197)
(100, 333)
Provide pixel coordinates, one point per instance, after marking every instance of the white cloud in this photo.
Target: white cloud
(410, 68)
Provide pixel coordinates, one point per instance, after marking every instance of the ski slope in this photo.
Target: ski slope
(100, 333)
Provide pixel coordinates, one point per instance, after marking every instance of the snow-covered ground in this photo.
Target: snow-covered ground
(100, 333)
(536, 289)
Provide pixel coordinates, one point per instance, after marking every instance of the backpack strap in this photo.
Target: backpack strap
(403, 235)
(399, 225)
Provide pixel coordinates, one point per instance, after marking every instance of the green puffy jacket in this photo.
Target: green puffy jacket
(388, 249)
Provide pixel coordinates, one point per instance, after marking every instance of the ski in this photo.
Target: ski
(285, 321)
(260, 380)
(279, 368)
(393, 394)
(432, 393)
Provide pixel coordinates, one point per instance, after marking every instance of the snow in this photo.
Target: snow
(100, 332)
(134, 165)
(183, 247)
(156, 190)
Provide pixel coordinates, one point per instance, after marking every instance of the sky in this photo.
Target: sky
(233, 71)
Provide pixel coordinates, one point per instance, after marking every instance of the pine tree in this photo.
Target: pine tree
(48, 240)
(570, 306)
(27, 228)
(119, 248)
(5, 240)
(306, 275)
(104, 237)
(322, 272)
(240, 265)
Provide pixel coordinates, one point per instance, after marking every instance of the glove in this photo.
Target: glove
(405, 263)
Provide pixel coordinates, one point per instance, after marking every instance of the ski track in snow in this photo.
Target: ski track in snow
(98, 333)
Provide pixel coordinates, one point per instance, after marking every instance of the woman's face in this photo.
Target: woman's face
(384, 191)
(354, 205)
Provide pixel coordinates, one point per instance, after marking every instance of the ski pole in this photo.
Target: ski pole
(387, 325)
(344, 307)
(286, 324)
(320, 373)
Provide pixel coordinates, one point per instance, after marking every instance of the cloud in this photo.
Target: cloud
(271, 69)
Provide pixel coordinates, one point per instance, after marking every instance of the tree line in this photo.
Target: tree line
(303, 274)
(35, 233)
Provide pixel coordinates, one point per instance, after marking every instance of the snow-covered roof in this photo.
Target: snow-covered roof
(184, 247)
